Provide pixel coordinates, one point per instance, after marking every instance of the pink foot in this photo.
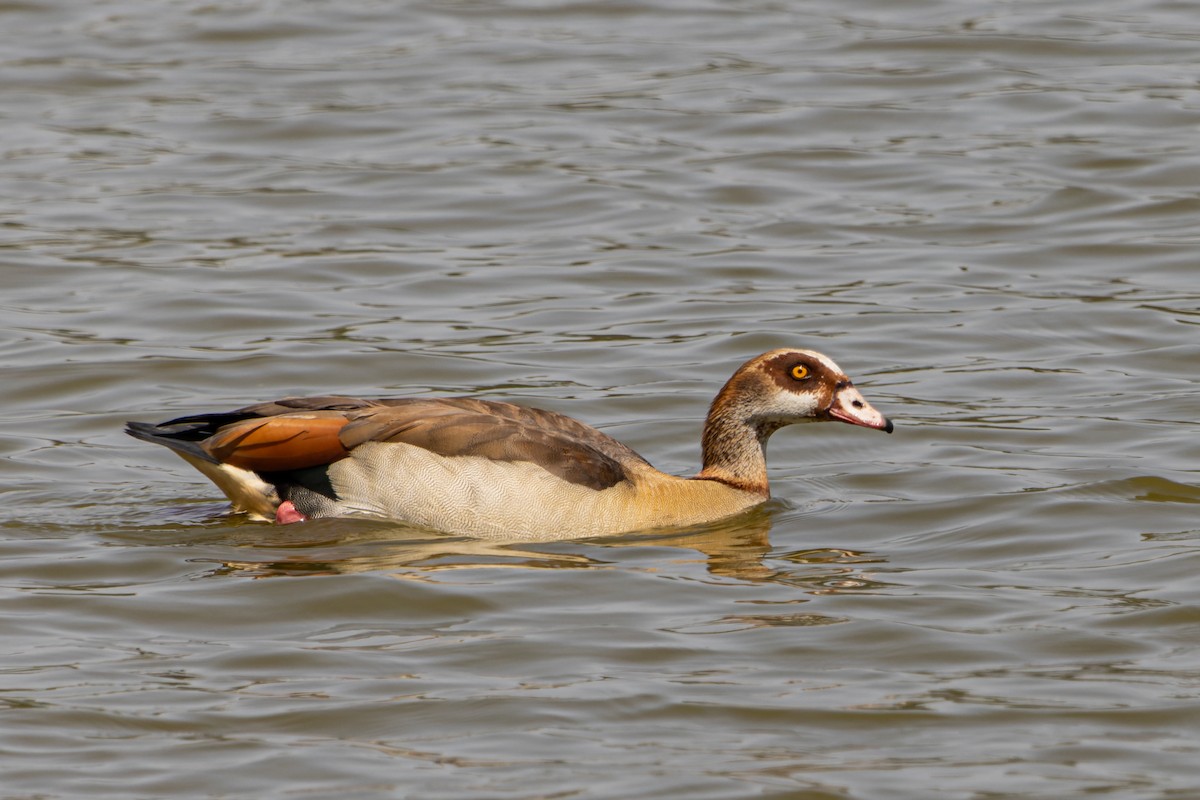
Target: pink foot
(286, 514)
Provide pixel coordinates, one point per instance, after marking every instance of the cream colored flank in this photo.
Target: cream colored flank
(482, 497)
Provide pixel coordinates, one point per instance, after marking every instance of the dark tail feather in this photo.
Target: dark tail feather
(182, 437)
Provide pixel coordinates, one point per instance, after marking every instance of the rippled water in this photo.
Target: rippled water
(986, 212)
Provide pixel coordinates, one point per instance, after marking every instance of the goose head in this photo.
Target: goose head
(776, 389)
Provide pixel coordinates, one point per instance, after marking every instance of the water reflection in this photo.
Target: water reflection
(738, 549)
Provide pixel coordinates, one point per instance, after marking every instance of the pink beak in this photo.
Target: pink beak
(849, 406)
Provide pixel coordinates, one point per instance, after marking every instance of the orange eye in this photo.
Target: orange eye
(799, 372)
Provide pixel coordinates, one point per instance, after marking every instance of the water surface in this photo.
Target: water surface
(985, 212)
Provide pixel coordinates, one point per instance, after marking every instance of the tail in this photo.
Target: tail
(245, 489)
(183, 437)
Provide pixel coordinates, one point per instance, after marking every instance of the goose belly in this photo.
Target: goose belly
(484, 497)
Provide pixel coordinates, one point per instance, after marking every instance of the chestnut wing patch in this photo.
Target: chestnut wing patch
(281, 443)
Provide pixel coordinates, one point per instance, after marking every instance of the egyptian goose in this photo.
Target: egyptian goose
(486, 468)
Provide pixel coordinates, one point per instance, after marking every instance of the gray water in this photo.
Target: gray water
(986, 212)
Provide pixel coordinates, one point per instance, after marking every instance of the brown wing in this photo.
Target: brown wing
(289, 434)
(463, 427)
(297, 433)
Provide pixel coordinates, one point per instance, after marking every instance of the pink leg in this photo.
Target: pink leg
(286, 514)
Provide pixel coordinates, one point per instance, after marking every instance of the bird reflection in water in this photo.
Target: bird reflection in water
(738, 549)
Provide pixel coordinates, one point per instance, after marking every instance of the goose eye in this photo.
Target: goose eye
(799, 372)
